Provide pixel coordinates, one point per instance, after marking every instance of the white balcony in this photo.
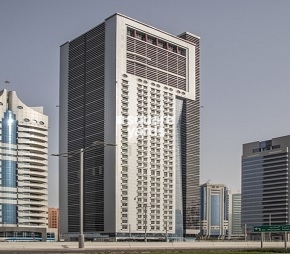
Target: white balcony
(33, 209)
(34, 174)
(33, 191)
(33, 180)
(40, 138)
(33, 161)
(36, 221)
(41, 145)
(31, 149)
(33, 185)
(32, 130)
(31, 166)
(25, 213)
(37, 156)
(32, 196)
(32, 202)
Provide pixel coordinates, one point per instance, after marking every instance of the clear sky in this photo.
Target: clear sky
(245, 66)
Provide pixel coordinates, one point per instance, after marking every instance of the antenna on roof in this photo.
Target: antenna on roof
(6, 82)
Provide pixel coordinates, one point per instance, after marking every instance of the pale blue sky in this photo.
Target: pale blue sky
(245, 65)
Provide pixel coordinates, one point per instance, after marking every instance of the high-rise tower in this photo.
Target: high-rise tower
(131, 84)
(23, 171)
(265, 183)
(235, 224)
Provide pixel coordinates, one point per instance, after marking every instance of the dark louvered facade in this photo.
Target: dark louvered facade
(86, 125)
(191, 147)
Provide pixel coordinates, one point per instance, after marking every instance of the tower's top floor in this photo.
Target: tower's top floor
(134, 22)
(271, 146)
(126, 46)
(29, 116)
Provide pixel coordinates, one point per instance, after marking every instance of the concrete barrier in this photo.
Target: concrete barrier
(91, 247)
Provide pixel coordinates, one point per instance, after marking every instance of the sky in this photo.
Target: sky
(245, 66)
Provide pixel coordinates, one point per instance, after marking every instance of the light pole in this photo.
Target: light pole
(81, 153)
(81, 235)
(270, 222)
(145, 234)
(166, 232)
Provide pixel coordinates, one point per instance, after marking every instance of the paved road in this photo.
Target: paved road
(97, 247)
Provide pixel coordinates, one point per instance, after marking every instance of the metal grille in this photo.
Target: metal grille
(155, 63)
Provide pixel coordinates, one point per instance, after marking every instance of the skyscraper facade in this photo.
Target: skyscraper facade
(265, 182)
(130, 84)
(214, 210)
(235, 224)
(23, 172)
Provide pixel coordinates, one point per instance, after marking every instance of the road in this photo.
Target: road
(95, 247)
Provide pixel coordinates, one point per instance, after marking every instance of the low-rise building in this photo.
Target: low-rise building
(214, 210)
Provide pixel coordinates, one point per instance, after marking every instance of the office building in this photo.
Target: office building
(127, 83)
(214, 210)
(23, 172)
(265, 182)
(235, 207)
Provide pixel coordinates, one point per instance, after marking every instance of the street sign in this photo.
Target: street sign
(272, 228)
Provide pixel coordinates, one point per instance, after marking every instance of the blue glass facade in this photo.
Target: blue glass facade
(9, 212)
(9, 174)
(9, 128)
(215, 210)
(9, 167)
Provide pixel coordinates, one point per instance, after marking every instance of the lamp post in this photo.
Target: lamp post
(81, 235)
(166, 232)
(145, 206)
(145, 233)
(270, 222)
(81, 153)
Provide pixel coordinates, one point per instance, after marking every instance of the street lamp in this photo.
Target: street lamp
(81, 153)
(144, 208)
(145, 221)
(166, 232)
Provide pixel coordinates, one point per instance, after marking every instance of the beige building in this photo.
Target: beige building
(53, 217)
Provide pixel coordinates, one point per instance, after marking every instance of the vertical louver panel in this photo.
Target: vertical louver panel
(157, 63)
(86, 125)
(191, 147)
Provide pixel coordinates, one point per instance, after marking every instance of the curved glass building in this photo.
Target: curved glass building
(23, 168)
